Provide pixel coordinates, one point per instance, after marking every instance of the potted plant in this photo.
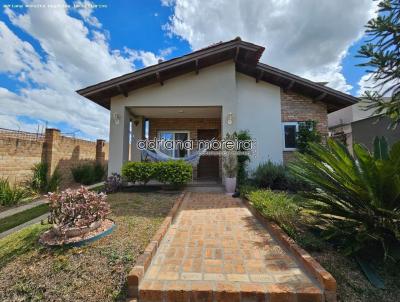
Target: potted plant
(230, 169)
(77, 212)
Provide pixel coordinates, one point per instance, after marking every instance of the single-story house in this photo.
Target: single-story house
(208, 93)
(354, 124)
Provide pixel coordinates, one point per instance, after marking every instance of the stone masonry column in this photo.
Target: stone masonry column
(52, 137)
(100, 152)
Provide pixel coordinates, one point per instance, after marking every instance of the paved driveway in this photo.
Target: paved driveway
(217, 251)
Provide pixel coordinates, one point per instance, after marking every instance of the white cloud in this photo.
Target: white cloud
(308, 38)
(85, 9)
(75, 56)
(16, 55)
(147, 58)
(368, 83)
(167, 51)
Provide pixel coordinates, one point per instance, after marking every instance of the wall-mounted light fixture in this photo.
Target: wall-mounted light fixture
(229, 118)
(115, 118)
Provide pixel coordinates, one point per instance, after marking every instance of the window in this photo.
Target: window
(289, 135)
(173, 136)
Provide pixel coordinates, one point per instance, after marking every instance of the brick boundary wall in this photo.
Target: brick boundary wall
(18, 154)
(323, 277)
(144, 260)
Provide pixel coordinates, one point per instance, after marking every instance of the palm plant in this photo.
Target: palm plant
(356, 197)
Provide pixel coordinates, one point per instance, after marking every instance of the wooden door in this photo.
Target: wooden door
(208, 167)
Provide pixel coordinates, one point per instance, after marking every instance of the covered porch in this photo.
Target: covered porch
(170, 123)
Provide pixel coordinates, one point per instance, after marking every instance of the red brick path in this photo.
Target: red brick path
(217, 251)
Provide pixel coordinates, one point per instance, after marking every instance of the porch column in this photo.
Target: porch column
(137, 134)
(119, 138)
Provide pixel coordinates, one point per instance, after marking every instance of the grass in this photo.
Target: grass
(97, 272)
(352, 284)
(22, 217)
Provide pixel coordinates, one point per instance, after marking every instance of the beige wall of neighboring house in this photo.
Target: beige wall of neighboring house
(353, 124)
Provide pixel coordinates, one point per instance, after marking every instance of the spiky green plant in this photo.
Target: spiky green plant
(356, 197)
(11, 194)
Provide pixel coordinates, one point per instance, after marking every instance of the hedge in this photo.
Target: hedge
(176, 173)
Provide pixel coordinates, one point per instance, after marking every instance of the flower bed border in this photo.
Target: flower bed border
(323, 277)
(143, 262)
(83, 241)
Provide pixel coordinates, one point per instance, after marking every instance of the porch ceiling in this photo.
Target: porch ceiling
(177, 112)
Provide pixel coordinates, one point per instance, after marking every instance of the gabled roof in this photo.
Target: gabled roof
(246, 57)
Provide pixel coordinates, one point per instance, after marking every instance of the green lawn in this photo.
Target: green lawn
(96, 272)
(22, 217)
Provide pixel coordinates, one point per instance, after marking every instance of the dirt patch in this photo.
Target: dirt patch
(96, 272)
(353, 286)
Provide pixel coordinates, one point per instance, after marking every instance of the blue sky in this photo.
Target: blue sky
(47, 53)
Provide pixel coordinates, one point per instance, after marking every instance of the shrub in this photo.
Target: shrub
(270, 175)
(176, 173)
(140, 172)
(98, 172)
(54, 182)
(277, 206)
(230, 164)
(11, 195)
(113, 183)
(242, 160)
(277, 177)
(88, 174)
(77, 208)
(307, 134)
(38, 182)
(355, 197)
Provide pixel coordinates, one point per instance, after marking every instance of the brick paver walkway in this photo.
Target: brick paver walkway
(218, 251)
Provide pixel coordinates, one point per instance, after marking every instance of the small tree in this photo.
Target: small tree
(383, 59)
(307, 133)
(242, 160)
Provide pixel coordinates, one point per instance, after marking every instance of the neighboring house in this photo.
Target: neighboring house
(209, 93)
(353, 124)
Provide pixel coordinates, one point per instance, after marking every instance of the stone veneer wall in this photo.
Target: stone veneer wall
(18, 155)
(299, 108)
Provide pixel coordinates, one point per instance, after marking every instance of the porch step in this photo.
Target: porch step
(212, 188)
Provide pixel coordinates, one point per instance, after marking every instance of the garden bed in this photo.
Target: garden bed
(96, 272)
(352, 285)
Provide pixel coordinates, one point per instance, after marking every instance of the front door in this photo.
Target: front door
(208, 167)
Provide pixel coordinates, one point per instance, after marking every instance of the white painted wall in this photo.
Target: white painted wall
(255, 106)
(259, 111)
(119, 137)
(137, 134)
(213, 86)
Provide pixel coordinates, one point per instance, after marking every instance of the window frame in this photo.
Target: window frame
(283, 134)
(174, 132)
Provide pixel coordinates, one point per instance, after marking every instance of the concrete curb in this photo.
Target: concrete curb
(323, 277)
(22, 208)
(144, 260)
(25, 224)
